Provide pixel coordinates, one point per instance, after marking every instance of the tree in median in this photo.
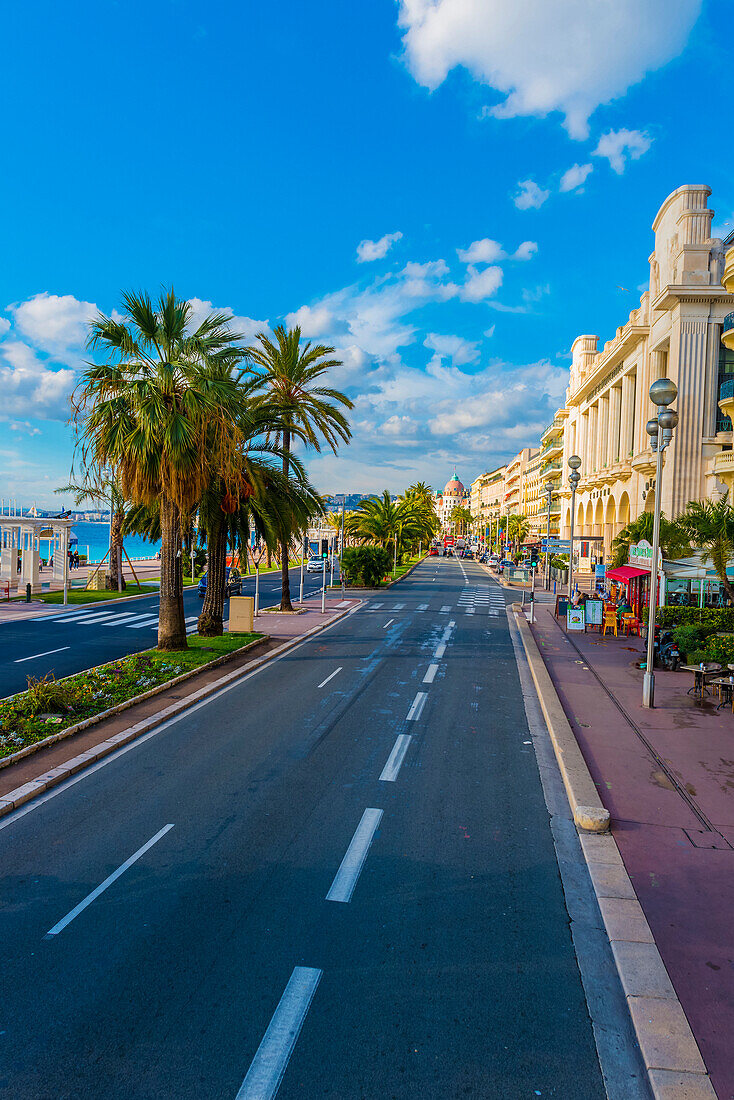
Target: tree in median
(709, 525)
(301, 407)
(161, 419)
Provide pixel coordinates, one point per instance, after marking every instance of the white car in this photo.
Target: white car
(316, 565)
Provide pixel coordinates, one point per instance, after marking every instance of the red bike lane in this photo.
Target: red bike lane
(667, 778)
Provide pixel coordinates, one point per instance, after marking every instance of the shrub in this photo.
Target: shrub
(366, 565)
(715, 618)
(692, 637)
(720, 649)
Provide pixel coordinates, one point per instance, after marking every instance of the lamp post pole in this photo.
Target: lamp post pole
(573, 479)
(660, 429)
(549, 491)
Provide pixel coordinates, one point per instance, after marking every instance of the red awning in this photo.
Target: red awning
(626, 573)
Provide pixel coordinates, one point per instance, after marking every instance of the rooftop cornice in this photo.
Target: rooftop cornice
(690, 292)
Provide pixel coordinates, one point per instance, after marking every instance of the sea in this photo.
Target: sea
(96, 536)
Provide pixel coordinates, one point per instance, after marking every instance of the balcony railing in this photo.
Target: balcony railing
(727, 388)
(550, 466)
(728, 323)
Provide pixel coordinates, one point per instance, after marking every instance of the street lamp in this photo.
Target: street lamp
(663, 392)
(573, 479)
(549, 491)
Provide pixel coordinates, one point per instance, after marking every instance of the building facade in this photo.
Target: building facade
(453, 495)
(675, 333)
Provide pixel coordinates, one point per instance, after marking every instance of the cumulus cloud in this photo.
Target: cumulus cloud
(375, 250)
(618, 145)
(24, 427)
(545, 55)
(246, 327)
(455, 348)
(481, 284)
(4, 326)
(529, 195)
(575, 177)
(485, 251)
(525, 251)
(57, 324)
(31, 386)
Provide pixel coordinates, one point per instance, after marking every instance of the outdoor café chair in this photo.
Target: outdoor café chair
(610, 620)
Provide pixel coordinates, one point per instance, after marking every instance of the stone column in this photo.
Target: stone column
(581, 441)
(627, 417)
(602, 431)
(615, 406)
(591, 440)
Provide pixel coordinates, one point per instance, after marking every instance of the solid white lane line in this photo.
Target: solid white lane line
(417, 706)
(350, 867)
(107, 882)
(430, 675)
(390, 772)
(440, 650)
(46, 654)
(388, 623)
(336, 670)
(273, 1055)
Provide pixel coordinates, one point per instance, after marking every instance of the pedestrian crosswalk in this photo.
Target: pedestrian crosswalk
(482, 598)
(145, 620)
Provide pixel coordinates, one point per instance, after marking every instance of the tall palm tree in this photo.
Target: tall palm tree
(302, 407)
(710, 526)
(161, 419)
(462, 517)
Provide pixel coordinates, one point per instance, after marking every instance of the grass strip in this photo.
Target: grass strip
(83, 595)
(50, 706)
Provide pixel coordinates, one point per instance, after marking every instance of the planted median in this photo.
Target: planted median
(50, 706)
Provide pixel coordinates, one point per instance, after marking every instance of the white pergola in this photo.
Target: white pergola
(20, 550)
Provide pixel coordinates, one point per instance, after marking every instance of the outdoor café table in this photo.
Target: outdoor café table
(699, 678)
(725, 685)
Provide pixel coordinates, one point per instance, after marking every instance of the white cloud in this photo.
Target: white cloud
(246, 327)
(485, 251)
(575, 176)
(489, 332)
(30, 387)
(399, 426)
(481, 284)
(545, 55)
(529, 196)
(25, 427)
(57, 324)
(618, 145)
(312, 322)
(375, 250)
(525, 251)
(455, 348)
(4, 325)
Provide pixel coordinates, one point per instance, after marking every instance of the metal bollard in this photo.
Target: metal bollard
(27, 593)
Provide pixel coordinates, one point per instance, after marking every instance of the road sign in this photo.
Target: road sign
(560, 545)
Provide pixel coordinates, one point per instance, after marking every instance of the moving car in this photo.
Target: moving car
(433, 552)
(232, 587)
(316, 565)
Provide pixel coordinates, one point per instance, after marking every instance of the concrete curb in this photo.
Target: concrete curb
(95, 719)
(583, 797)
(675, 1068)
(13, 799)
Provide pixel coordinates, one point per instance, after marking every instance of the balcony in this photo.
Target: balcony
(728, 279)
(727, 333)
(724, 467)
(556, 428)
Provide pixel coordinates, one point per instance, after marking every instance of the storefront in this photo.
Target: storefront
(634, 583)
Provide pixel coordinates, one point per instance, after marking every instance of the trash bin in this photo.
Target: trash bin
(241, 614)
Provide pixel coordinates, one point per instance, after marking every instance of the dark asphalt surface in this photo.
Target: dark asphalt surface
(71, 639)
(451, 971)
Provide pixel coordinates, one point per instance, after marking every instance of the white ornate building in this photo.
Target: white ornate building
(452, 496)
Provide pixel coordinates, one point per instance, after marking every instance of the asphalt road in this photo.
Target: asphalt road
(71, 639)
(334, 879)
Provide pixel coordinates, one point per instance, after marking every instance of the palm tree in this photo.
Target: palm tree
(302, 408)
(710, 526)
(674, 542)
(517, 529)
(161, 419)
(101, 487)
(400, 524)
(462, 517)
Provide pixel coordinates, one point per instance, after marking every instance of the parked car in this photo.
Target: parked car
(232, 587)
(316, 565)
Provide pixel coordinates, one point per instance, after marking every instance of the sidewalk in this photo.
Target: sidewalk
(667, 778)
(94, 742)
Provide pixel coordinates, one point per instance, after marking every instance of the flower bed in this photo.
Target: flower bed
(50, 706)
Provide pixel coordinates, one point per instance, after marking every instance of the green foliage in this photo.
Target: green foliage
(720, 649)
(673, 539)
(692, 637)
(717, 618)
(709, 525)
(385, 522)
(366, 565)
(559, 561)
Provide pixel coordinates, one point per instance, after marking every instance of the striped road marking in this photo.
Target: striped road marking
(346, 877)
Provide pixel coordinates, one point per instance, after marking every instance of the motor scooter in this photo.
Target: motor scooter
(666, 653)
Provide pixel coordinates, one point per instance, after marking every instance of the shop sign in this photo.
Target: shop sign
(640, 554)
(575, 619)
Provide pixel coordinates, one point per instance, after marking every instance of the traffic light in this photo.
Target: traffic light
(324, 548)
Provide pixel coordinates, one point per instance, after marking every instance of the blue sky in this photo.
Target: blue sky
(449, 191)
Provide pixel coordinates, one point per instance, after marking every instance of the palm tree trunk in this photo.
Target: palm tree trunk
(115, 546)
(171, 619)
(285, 577)
(211, 620)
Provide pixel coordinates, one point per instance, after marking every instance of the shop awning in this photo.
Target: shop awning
(626, 573)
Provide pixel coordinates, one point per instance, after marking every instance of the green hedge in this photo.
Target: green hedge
(366, 565)
(717, 618)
